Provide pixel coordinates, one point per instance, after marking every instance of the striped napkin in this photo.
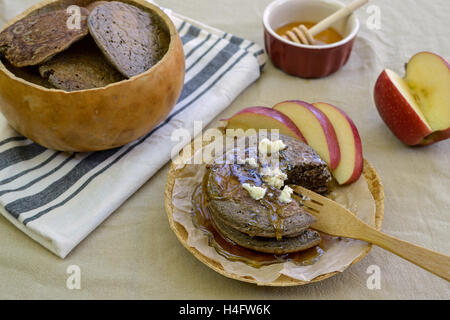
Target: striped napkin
(58, 198)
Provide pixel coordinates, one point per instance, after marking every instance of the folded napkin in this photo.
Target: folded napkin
(58, 198)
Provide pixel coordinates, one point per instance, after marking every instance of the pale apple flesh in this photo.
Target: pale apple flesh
(315, 127)
(399, 110)
(351, 165)
(428, 77)
(264, 118)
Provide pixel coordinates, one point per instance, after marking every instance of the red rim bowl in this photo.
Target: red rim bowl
(303, 60)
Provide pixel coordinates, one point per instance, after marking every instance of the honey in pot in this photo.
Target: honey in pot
(328, 36)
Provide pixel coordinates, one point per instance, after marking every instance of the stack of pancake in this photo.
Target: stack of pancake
(266, 225)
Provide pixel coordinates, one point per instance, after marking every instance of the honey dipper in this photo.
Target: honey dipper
(302, 35)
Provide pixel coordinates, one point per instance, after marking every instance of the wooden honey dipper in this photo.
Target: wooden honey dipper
(302, 35)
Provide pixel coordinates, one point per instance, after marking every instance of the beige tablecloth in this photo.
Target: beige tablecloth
(135, 255)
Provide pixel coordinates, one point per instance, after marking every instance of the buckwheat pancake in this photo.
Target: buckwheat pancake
(305, 240)
(303, 166)
(95, 4)
(82, 66)
(233, 206)
(131, 39)
(253, 217)
(35, 39)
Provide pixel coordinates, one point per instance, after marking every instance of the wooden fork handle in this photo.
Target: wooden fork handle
(430, 260)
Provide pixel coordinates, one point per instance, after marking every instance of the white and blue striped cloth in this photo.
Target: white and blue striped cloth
(58, 198)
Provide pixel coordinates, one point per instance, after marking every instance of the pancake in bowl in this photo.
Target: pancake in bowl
(131, 39)
(81, 67)
(36, 38)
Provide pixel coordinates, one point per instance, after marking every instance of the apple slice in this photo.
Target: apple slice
(315, 127)
(351, 165)
(264, 118)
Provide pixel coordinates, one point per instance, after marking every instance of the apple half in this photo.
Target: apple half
(416, 108)
(351, 165)
(264, 118)
(315, 127)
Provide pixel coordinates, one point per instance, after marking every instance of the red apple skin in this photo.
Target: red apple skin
(396, 112)
(330, 134)
(269, 112)
(359, 158)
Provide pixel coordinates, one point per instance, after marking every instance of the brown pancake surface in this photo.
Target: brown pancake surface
(234, 206)
(36, 38)
(254, 217)
(82, 66)
(130, 38)
(94, 4)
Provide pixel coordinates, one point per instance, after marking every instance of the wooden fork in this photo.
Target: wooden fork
(334, 219)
